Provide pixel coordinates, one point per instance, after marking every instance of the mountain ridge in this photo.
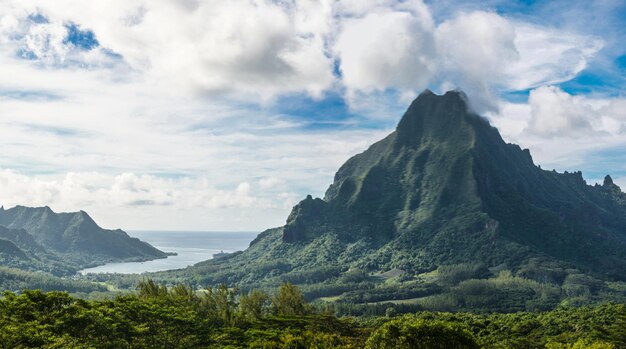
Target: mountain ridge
(71, 238)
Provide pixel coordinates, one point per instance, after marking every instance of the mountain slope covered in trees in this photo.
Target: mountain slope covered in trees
(443, 206)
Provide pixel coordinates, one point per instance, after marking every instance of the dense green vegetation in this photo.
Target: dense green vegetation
(420, 334)
(156, 316)
(587, 327)
(179, 317)
(537, 286)
(16, 280)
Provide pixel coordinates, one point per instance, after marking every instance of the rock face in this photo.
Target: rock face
(444, 188)
(73, 236)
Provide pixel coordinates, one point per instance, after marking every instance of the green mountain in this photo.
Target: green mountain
(70, 239)
(445, 188)
(444, 207)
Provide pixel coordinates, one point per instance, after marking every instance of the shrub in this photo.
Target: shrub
(411, 333)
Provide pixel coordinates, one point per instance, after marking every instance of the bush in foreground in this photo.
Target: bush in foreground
(410, 333)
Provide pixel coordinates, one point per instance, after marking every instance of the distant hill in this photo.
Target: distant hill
(443, 206)
(73, 239)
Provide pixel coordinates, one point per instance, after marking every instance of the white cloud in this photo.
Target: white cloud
(262, 48)
(554, 112)
(386, 49)
(127, 189)
(99, 193)
(557, 113)
(483, 53)
(476, 48)
(564, 131)
(548, 56)
(258, 48)
(46, 42)
(271, 182)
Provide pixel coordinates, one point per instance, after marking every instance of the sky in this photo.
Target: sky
(221, 115)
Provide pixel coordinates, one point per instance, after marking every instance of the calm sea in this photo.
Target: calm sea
(192, 247)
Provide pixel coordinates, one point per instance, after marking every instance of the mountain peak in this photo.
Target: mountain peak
(432, 116)
(452, 96)
(610, 185)
(426, 92)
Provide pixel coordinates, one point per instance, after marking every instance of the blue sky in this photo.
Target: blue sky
(212, 115)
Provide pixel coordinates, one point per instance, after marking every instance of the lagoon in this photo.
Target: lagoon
(191, 246)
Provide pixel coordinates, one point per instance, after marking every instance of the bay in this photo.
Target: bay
(191, 246)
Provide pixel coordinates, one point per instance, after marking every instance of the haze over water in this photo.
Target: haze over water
(192, 247)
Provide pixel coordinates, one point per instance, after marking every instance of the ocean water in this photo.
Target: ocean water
(192, 247)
